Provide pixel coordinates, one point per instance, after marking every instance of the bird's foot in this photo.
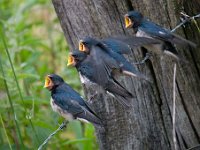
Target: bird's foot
(93, 96)
(147, 56)
(64, 124)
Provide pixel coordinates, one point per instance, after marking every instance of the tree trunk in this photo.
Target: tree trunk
(147, 125)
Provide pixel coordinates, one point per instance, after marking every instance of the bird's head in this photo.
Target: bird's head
(76, 57)
(52, 81)
(133, 19)
(86, 43)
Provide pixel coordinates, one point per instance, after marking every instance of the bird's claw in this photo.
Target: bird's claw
(63, 125)
(147, 56)
(93, 96)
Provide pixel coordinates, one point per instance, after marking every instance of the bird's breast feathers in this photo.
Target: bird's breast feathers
(141, 33)
(156, 48)
(84, 79)
(59, 110)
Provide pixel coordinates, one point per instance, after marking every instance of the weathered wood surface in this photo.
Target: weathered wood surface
(148, 124)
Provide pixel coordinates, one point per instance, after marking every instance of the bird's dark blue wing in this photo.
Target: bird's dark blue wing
(116, 45)
(119, 62)
(123, 44)
(155, 31)
(158, 32)
(67, 102)
(86, 69)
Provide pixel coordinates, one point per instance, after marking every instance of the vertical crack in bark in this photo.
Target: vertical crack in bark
(155, 83)
(194, 62)
(168, 16)
(184, 142)
(97, 24)
(129, 5)
(164, 126)
(80, 21)
(118, 14)
(103, 138)
(162, 118)
(159, 103)
(68, 20)
(178, 139)
(187, 112)
(192, 55)
(57, 7)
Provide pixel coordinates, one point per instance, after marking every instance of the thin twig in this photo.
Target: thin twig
(62, 126)
(174, 109)
(148, 55)
(197, 146)
(188, 19)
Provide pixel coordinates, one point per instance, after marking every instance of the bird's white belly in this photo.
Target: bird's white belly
(155, 48)
(62, 112)
(83, 120)
(85, 80)
(142, 34)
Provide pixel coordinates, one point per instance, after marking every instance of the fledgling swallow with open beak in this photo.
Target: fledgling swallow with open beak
(94, 69)
(68, 103)
(113, 59)
(146, 28)
(120, 44)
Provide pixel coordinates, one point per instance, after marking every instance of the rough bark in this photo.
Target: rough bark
(148, 123)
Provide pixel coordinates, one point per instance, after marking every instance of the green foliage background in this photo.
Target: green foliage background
(30, 35)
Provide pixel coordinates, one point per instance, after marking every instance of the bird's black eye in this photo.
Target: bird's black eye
(74, 55)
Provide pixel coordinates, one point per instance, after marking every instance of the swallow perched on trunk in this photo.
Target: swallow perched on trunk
(120, 45)
(145, 28)
(67, 102)
(94, 69)
(111, 57)
(123, 44)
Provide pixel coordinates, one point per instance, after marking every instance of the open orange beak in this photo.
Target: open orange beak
(71, 61)
(82, 46)
(48, 83)
(128, 22)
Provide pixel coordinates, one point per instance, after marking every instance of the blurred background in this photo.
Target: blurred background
(32, 45)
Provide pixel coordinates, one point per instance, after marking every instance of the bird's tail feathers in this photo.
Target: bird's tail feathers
(101, 128)
(89, 116)
(116, 87)
(134, 41)
(124, 101)
(142, 76)
(137, 74)
(122, 95)
(180, 40)
(177, 57)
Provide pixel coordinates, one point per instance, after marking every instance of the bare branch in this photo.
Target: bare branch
(62, 126)
(174, 109)
(186, 19)
(195, 147)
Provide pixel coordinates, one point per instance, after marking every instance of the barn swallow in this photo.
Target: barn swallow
(145, 28)
(68, 103)
(120, 44)
(94, 69)
(109, 56)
